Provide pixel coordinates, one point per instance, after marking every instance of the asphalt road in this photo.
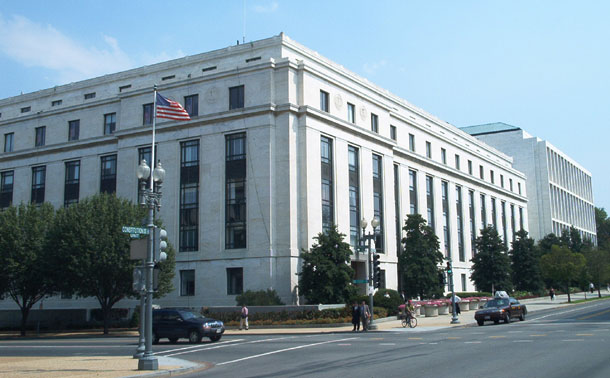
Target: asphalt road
(566, 342)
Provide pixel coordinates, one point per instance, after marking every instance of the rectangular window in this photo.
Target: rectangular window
(378, 201)
(6, 189)
(430, 201)
(412, 192)
(512, 220)
(457, 162)
(147, 114)
(445, 206)
(519, 187)
(494, 214)
(504, 223)
(73, 129)
(443, 156)
(412, 142)
(26, 109)
(326, 158)
(191, 105)
(40, 136)
(144, 154)
(472, 225)
(463, 282)
(354, 195)
(89, 96)
(393, 132)
(502, 181)
(72, 182)
(481, 172)
(397, 208)
(521, 218)
(491, 176)
(38, 184)
(189, 196)
(470, 167)
(460, 223)
(8, 142)
(483, 212)
(108, 174)
(56, 103)
(110, 123)
(510, 184)
(429, 150)
(324, 101)
(187, 283)
(235, 281)
(235, 191)
(236, 97)
(351, 113)
(124, 87)
(374, 123)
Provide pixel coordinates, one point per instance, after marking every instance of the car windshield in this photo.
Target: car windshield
(189, 315)
(497, 303)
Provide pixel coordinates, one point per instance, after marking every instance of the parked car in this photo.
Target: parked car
(501, 309)
(179, 324)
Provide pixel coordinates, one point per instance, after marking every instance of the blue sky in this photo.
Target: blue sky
(541, 65)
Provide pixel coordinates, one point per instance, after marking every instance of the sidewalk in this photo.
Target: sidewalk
(112, 367)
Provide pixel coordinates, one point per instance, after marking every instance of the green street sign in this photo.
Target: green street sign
(360, 281)
(135, 230)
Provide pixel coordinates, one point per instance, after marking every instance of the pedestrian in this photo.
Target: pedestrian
(244, 317)
(608, 287)
(457, 305)
(356, 316)
(552, 294)
(365, 316)
(591, 287)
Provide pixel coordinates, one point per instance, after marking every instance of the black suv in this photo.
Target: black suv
(178, 324)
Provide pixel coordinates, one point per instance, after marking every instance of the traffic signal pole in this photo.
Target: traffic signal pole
(454, 318)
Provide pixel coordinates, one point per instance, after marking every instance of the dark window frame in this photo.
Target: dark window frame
(235, 280)
(235, 191)
(187, 282)
(108, 171)
(74, 130)
(147, 114)
(109, 123)
(71, 182)
(191, 105)
(6, 188)
(9, 142)
(374, 123)
(324, 101)
(38, 184)
(327, 182)
(237, 97)
(189, 195)
(40, 136)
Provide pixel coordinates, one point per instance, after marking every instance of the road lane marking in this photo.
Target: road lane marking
(540, 335)
(523, 341)
(283, 350)
(497, 337)
(563, 312)
(344, 344)
(584, 334)
(387, 343)
(453, 338)
(377, 338)
(472, 342)
(573, 340)
(198, 346)
(217, 346)
(415, 338)
(594, 315)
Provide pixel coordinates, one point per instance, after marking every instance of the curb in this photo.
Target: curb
(195, 367)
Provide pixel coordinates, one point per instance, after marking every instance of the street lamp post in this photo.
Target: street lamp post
(151, 198)
(454, 318)
(366, 238)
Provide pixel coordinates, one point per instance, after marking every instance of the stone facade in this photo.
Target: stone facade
(292, 99)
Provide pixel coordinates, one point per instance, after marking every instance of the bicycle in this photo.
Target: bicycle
(408, 319)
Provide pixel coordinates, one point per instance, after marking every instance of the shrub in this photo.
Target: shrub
(259, 298)
(387, 299)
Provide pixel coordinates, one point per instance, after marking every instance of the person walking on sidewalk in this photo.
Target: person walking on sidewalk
(591, 287)
(365, 315)
(244, 317)
(356, 316)
(552, 294)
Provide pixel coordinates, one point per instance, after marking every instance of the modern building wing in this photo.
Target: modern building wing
(560, 191)
(282, 143)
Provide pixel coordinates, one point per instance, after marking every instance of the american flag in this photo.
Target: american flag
(169, 109)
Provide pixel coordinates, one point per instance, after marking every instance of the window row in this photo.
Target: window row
(567, 175)
(235, 281)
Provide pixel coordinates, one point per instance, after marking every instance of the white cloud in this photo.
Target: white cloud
(372, 68)
(269, 8)
(37, 45)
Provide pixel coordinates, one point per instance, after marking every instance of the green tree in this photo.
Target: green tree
(598, 267)
(25, 266)
(91, 253)
(421, 259)
(525, 263)
(326, 273)
(562, 265)
(602, 223)
(547, 242)
(491, 265)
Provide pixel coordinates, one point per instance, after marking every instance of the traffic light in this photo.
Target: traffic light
(160, 244)
(449, 268)
(376, 271)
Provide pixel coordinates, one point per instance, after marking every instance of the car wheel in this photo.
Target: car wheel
(155, 338)
(173, 340)
(194, 337)
(214, 338)
(522, 316)
(480, 322)
(507, 318)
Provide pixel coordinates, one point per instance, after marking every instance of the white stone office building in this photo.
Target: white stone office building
(282, 143)
(560, 192)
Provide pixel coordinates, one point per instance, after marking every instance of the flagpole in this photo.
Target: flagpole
(152, 147)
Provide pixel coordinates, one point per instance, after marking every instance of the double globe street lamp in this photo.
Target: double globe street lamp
(366, 240)
(151, 198)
